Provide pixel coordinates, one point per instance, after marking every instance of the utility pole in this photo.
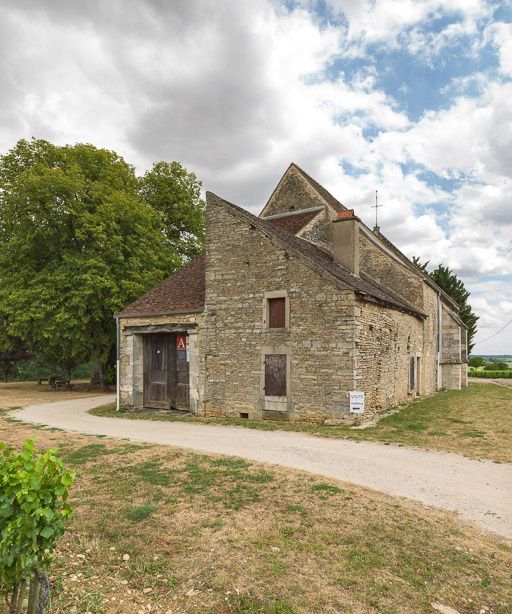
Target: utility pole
(376, 206)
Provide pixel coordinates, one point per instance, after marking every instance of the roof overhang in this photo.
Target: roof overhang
(155, 314)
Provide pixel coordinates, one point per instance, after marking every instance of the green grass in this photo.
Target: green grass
(223, 535)
(139, 512)
(498, 374)
(475, 422)
(93, 451)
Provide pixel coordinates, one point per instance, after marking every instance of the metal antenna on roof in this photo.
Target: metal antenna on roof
(376, 206)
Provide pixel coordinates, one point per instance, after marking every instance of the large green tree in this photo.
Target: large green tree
(446, 279)
(176, 194)
(78, 242)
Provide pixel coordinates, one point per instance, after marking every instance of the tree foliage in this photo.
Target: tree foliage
(33, 514)
(80, 238)
(476, 361)
(176, 194)
(497, 365)
(12, 351)
(445, 278)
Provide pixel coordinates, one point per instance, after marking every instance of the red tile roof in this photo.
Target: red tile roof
(294, 222)
(181, 292)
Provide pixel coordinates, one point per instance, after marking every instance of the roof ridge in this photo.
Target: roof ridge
(415, 267)
(318, 258)
(324, 194)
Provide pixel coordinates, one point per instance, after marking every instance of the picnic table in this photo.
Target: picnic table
(62, 384)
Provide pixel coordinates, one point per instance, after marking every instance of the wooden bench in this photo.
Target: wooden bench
(62, 384)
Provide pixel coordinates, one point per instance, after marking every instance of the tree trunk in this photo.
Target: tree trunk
(6, 374)
(98, 373)
(39, 596)
(18, 597)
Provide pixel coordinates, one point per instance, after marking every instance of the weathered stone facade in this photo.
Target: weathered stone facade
(357, 315)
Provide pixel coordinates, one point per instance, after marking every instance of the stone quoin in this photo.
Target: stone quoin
(287, 313)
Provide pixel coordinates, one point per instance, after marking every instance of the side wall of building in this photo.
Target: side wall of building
(243, 266)
(453, 354)
(387, 270)
(387, 341)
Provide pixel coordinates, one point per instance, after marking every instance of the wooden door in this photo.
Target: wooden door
(166, 373)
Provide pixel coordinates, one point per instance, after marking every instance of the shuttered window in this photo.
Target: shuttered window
(275, 375)
(276, 312)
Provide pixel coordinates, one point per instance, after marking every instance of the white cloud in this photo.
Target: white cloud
(501, 33)
(236, 90)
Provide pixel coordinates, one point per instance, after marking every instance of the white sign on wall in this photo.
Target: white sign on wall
(356, 402)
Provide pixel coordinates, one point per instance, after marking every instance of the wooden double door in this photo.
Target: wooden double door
(166, 371)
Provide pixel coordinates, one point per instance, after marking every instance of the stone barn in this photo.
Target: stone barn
(286, 314)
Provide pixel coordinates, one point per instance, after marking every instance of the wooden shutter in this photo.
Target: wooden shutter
(275, 375)
(276, 312)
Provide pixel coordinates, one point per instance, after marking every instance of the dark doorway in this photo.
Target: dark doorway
(166, 371)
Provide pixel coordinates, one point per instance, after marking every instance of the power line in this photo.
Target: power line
(494, 334)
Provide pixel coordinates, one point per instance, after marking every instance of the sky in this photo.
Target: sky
(412, 98)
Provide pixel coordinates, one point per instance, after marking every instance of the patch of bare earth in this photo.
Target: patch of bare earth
(162, 530)
(20, 394)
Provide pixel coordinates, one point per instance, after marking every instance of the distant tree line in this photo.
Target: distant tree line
(81, 236)
(490, 365)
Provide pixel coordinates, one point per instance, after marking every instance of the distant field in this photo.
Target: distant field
(507, 373)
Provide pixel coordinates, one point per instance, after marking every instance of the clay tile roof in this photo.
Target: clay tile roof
(294, 222)
(180, 293)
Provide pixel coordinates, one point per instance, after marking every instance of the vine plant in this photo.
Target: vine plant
(33, 515)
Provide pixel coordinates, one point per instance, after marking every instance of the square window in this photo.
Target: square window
(276, 312)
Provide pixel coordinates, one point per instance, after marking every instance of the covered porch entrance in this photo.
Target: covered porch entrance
(166, 371)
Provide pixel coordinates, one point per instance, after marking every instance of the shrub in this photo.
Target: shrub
(33, 515)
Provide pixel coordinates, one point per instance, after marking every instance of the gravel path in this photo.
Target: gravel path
(479, 491)
(482, 380)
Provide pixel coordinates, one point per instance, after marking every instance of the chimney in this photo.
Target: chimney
(344, 239)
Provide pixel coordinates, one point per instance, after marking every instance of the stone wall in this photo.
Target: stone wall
(451, 338)
(386, 342)
(431, 381)
(316, 230)
(243, 265)
(388, 270)
(132, 349)
(293, 193)
(453, 367)
(452, 376)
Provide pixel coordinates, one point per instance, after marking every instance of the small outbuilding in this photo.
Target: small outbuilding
(288, 313)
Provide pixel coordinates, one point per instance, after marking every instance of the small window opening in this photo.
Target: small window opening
(412, 374)
(418, 372)
(244, 415)
(276, 312)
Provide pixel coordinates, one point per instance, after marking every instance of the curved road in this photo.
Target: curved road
(479, 491)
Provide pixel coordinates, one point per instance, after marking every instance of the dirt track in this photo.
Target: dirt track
(479, 491)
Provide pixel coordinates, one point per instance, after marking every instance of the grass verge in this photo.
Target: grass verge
(475, 422)
(162, 530)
